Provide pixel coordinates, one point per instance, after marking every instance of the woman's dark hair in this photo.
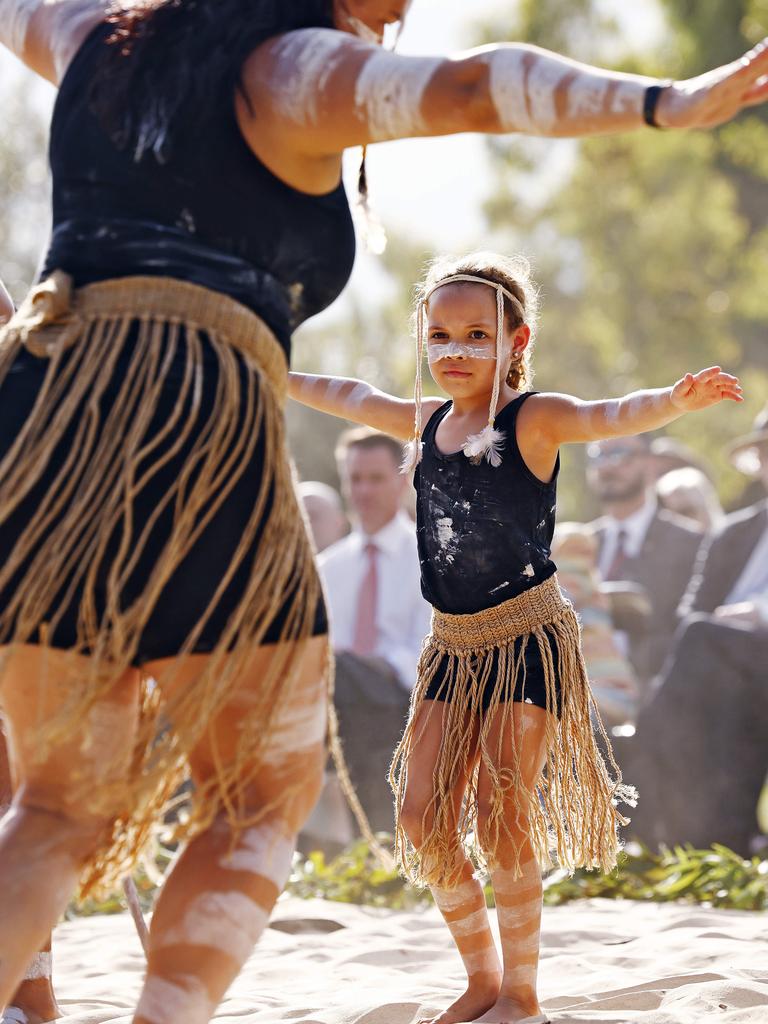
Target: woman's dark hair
(170, 62)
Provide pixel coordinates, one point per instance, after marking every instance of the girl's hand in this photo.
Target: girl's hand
(707, 387)
(716, 96)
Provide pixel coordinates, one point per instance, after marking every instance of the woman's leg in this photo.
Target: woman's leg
(50, 830)
(35, 993)
(463, 908)
(219, 895)
(518, 899)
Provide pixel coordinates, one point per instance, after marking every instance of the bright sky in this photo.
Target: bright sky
(432, 188)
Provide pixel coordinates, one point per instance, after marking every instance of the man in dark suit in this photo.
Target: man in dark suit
(700, 752)
(641, 543)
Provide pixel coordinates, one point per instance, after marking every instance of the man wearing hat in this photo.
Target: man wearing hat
(700, 754)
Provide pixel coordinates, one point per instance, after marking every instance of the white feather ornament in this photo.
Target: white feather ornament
(487, 444)
(411, 455)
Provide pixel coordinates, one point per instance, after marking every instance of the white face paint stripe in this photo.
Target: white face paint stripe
(307, 58)
(263, 850)
(389, 94)
(15, 16)
(166, 1002)
(226, 921)
(437, 350)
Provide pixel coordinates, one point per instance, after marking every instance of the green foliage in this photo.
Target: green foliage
(717, 877)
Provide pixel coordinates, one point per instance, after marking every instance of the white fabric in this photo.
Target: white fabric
(635, 528)
(13, 1015)
(752, 584)
(403, 614)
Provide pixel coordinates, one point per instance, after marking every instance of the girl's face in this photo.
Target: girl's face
(368, 18)
(461, 339)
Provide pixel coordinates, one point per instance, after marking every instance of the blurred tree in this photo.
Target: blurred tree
(652, 248)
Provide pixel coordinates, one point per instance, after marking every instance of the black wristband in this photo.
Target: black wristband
(651, 101)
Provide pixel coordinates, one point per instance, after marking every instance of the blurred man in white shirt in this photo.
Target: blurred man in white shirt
(372, 575)
(378, 622)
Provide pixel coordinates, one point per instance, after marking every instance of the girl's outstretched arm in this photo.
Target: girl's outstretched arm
(561, 419)
(6, 304)
(354, 400)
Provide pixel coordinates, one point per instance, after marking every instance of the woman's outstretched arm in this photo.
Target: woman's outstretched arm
(322, 91)
(45, 34)
(354, 400)
(6, 304)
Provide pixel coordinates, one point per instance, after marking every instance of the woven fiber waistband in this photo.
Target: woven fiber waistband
(495, 627)
(54, 314)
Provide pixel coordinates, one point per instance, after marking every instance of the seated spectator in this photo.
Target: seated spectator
(613, 682)
(699, 756)
(378, 617)
(689, 493)
(325, 513)
(640, 543)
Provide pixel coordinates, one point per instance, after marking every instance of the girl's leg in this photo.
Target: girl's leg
(463, 908)
(219, 895)
(35, 993)
(49, 831)
(518, 900)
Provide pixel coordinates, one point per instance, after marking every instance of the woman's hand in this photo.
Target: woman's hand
(716, 96)
(707, 387)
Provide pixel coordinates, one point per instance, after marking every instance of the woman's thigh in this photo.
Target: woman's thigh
(69, 765)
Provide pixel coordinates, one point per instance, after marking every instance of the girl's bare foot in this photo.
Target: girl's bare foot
(507, 1010)
(35, 998)
(482, 994)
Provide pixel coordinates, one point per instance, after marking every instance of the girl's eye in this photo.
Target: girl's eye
(478, 335)
(437, 335)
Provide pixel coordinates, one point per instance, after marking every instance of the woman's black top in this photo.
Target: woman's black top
(484, 533)
(213, 214)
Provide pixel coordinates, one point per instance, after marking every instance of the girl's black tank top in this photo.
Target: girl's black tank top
(213, 214)
(484, 533)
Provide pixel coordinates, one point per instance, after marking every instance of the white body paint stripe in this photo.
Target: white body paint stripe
(39, 967)
(389, 94)
(263, 850)
(166, 1002)
(472, 924)
(307, 58)
(227, 921)
(297, 729)
(15, 16)
(452, 899)
(507, 88)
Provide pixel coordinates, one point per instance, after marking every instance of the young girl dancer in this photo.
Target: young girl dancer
(498, 758)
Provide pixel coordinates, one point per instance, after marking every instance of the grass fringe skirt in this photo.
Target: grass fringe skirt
(81, 334)
(571, 812)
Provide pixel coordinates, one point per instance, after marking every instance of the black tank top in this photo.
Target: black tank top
(484, 533)
(213, 214)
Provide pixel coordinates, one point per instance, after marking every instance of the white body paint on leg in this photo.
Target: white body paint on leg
(307, 59)
(389, 94)
(263, 850)
(39, 967)
(165, 1002)
(227, 921)
(296, 730)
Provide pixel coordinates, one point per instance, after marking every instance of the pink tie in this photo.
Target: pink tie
(365, 637)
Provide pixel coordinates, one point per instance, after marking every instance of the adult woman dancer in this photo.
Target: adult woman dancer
(147, 515)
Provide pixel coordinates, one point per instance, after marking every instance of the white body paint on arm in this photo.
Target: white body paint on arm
(390, 92)
(306, 59)
(15, 16)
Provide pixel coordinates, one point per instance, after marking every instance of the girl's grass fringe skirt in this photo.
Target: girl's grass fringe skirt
(151, 324)
(571, 810)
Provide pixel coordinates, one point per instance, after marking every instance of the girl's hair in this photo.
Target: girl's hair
(171, 63)
(514, 274)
